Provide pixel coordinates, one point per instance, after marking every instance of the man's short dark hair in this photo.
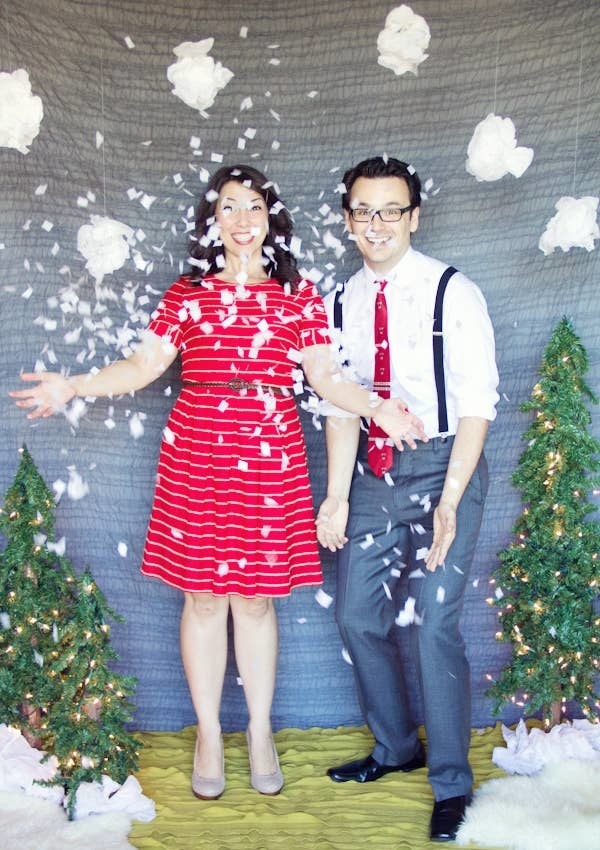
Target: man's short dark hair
(379, 166)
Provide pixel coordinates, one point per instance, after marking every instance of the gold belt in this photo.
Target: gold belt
(238, 384)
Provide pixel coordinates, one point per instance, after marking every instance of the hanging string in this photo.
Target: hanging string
(578, 99)
(5, 15)
(102, 126)
(496, 71)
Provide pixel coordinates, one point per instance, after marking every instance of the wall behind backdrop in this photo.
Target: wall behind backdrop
(319, 102)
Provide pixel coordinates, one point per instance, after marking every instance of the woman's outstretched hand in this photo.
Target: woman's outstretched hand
(51, 393)
(402, 426)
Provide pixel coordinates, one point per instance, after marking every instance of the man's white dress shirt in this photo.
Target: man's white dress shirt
(469, 352)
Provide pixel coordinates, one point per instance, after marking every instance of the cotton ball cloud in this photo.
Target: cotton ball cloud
(493, 150)
(195, 76)
(21, 112)
(105, 245)
(403, 41)
(573, 226)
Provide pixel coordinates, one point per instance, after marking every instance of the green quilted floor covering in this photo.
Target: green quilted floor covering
(311, 812)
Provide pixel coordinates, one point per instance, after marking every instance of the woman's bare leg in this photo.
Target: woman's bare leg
(256, 647)
(204, 654)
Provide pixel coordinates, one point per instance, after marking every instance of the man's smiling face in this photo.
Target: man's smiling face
(382, 244)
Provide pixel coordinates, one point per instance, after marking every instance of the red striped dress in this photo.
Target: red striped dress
(232, 510)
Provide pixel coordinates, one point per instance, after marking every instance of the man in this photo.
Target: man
(412, 523)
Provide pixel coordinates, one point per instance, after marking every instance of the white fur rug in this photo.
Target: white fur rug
(557, 809)
(30, 823)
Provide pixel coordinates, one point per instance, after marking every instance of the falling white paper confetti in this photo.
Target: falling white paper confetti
(136, 427)
(403, 41)
(77, 488)
(59, 487)
(323, 599)
(573, 226)
(367, 542)
(21, 112)
(75, 411)
(493, 150)
(105, 244)
(59, 547)
(168, 435)
(195, 76)
(407, 615)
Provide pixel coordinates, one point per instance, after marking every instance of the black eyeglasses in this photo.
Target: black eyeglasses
(387, 214)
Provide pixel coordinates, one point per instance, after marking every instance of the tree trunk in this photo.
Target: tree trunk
(556, 713)
(33, 717)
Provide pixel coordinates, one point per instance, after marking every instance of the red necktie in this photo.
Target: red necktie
(379, 453)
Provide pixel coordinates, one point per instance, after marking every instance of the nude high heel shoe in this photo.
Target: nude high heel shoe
(203, 787)
(269, 784)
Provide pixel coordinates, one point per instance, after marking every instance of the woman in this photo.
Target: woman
(232, 522)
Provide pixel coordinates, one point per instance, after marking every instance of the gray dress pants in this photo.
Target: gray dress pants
(382, 577)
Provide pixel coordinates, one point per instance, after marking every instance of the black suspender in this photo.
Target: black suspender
(438, 342)
(338, 315)
(438, 350)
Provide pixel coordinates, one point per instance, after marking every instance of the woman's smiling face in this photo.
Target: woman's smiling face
(243, 220)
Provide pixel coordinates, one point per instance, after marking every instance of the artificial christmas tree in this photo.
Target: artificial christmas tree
(55, 682)
(549, 575)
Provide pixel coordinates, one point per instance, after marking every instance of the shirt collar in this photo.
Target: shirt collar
(395, 275)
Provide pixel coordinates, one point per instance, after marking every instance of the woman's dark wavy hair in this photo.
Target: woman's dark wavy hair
(280, 263)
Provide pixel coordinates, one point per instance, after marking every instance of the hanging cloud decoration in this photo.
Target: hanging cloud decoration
(195, 76)
(105, 245)
(403, 41)
(493, 150)
(573, 226)
(21, 112)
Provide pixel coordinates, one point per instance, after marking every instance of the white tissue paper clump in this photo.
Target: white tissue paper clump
(527, 752)
(573, 226)
(105, 245)
(493, 150)
(21, 112)
(196, 77)
(403, 41)
(96, 798)
(21, 765)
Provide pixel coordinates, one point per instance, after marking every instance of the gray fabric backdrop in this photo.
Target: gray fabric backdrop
(320, 102)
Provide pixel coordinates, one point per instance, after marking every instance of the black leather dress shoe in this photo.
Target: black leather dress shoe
(447, 816)
(368, 769)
